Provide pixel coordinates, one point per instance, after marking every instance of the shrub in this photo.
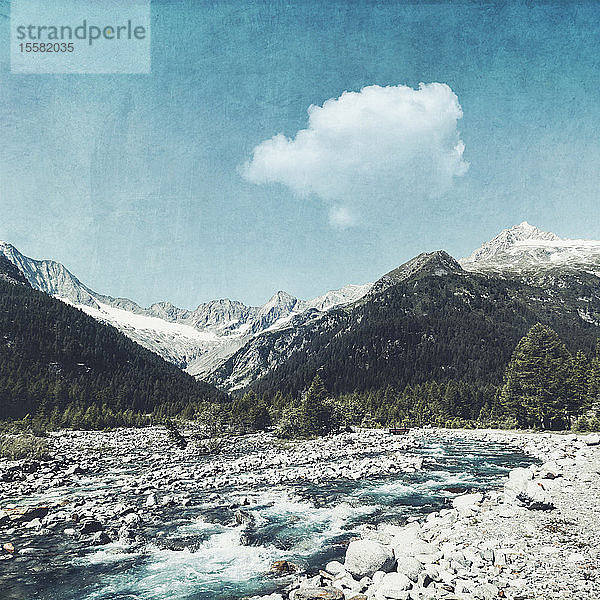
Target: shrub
(23, 446)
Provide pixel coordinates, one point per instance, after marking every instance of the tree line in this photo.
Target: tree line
(545, 387)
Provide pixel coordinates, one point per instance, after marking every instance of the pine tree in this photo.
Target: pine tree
(580, 378)
(593, 391)
(315, 409)
(538, 383)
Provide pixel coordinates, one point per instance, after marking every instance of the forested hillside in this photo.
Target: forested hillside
(455, 326)
(65, 366)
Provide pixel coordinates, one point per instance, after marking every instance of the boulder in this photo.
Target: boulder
(409, 566)
(467, 503)
(316, 593)
(534, 496)
(90, 526)
(593, 439)
(284, 567)
(74, 470)
(550, 470)
(100, 538)
(334, 567)
(486, 591)
(243, 517)
(521, 487)
(394, 585)
(365, 557)
(411, 546)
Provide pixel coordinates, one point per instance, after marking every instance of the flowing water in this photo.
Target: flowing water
(200, 553)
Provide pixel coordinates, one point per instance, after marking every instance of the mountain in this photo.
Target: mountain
(197, 341)
(10, 273)
(432, 318)
(526, 250)
(429, 319)
(53, 357)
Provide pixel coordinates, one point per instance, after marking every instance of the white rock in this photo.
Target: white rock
(576, 557)
(409, 566)
(378, 577)
(365, 557)
(487, 591)
(393, 585)
(467, 502)
(334, 567)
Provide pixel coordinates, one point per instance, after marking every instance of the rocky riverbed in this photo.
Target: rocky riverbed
(536, 537)
(129, 514)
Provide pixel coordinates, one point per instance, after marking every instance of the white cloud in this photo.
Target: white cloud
(379, 145)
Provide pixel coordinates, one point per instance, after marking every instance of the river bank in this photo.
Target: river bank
(536, 537)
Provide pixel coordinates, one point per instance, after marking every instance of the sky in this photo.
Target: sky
(301, 146)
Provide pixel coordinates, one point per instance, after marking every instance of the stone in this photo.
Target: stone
(33, 524)
(378, 577)
(534, 496)
(411, 546)
(90, 526)
(593, 439)
(461, 586)
(151, 500)
(521, 487)
(550, 470)
(334, 567)
(100, 538)
(243, 516)
(425, 579)
(409, 566)
(132, 519)
(365, 557)
(467, 502)
(316, 593)
(487, 591)
(284, 567)
(576, 557)
(27, 514)
(394, 585)
(74, 470)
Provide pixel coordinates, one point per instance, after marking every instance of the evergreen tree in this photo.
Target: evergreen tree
(316, 412)
(249, 413)
(580, 379)
(593, 391)
(538, 382)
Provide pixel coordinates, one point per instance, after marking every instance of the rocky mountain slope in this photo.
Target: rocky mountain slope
(431, 318)
(197, 340)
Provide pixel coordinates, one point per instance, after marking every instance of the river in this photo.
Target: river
(200, 551)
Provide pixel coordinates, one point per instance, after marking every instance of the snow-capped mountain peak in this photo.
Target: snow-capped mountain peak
(525, 248)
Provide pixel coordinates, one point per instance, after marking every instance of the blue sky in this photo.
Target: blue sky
(137, 182)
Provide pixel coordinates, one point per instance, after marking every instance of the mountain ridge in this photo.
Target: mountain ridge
(195, 340)
(233, 345)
